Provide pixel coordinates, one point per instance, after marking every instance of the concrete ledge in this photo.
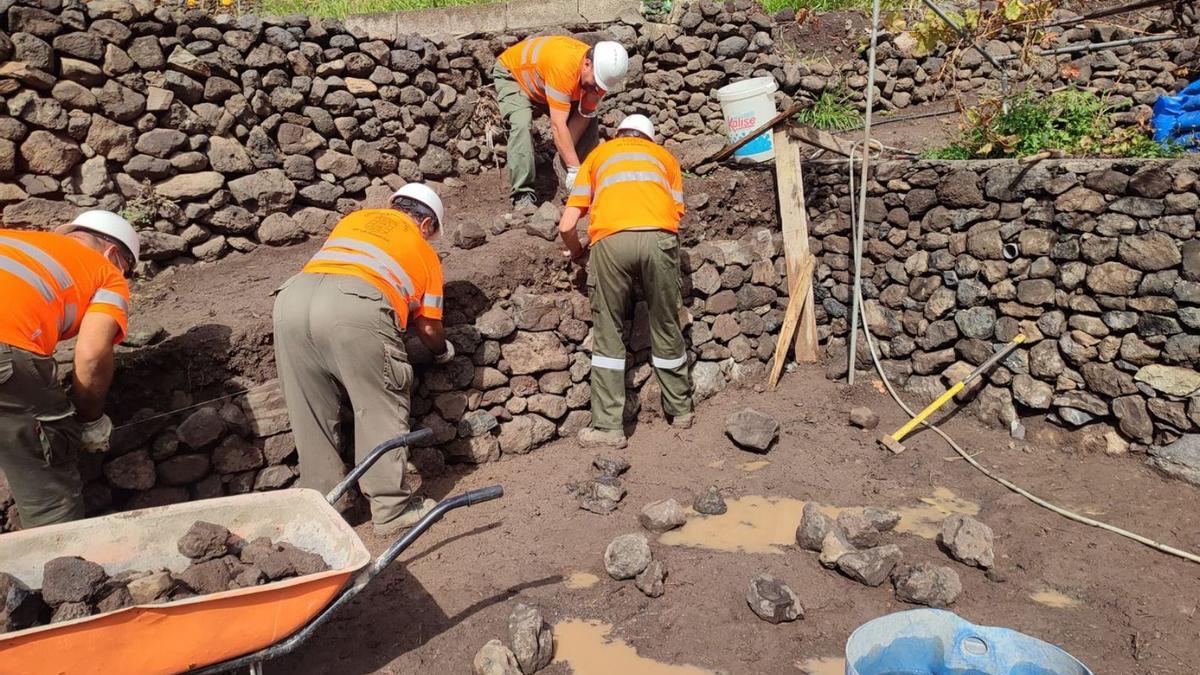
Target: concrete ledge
(489, 18)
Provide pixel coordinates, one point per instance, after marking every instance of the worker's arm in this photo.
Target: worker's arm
(570, 236)
(563, 137)
(93, 364)
(431, 334)
(578, 125)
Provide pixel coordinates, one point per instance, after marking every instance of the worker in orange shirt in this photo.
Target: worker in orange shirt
(70, 283)
(553, 72)
(633, 190)
(339, 341)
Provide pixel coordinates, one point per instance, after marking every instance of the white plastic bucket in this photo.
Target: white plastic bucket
(747, 105)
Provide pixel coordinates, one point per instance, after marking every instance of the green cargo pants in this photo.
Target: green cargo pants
(618, 262)
(39, 440)
(337, 343)
(517, 110)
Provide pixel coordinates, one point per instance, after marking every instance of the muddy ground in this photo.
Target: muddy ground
(1133, 608)
(1129, 609)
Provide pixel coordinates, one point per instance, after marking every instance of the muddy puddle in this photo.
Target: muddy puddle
(1053, 599)
(577, 580)
(758, 524)
(586, 647)
(829, 665)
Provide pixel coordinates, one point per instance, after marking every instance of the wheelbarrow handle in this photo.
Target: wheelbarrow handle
(372, 457)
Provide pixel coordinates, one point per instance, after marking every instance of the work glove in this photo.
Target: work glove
(572, 172)
(446, 356)
(96, 434)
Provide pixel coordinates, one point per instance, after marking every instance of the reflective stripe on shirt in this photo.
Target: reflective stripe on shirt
(28, 276)
(379, 256)
(106, 297)
(433, 301)
(44, 259)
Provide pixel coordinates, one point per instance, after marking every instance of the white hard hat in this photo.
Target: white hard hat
(108, 224)
(610, 62)
(424, 194)
(638, 123)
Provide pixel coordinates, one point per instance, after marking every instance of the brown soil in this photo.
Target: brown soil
(454, 589)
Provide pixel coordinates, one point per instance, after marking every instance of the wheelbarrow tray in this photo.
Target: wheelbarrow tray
(178, 636)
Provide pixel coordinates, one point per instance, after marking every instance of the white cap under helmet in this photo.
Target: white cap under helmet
(108, 224)
(638, 123)
(610, 62)
(424, 194)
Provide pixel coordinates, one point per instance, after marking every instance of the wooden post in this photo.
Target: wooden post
(789, 185)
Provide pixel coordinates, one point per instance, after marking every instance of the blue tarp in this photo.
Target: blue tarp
(1176, 118)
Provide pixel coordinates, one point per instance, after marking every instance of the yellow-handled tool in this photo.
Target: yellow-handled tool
(892, 442)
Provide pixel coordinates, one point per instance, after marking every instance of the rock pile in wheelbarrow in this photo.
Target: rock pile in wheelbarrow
(74, 588)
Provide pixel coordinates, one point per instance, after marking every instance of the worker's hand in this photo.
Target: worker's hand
(96, 434)
(572, 172)
(580, 259)
(446, 356)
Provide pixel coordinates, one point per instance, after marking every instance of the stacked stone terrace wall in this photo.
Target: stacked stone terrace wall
(261, 131)
(1096, 262)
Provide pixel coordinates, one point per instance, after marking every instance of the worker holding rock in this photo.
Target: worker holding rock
(70, 283)
(633, 189)
(554, 72)
(339, 341)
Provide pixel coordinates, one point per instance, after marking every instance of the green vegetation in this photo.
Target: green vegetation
(342, 8)
(832, 112)
(1075, 122)
(773, 6)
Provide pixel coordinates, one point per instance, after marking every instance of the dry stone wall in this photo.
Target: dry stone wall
(1097, 263)
(256, 131)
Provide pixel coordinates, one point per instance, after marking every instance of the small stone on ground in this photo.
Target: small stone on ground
(495, 659)
(864, 418)
(532, 641)
(610, 467)
(752, 430)
(652, 580)
(662, 516)
(626, 556)
(772, 600)
(872, 566)
(711, 503)
(927, 584)
(814, 525)
(968, 540)
(834, 546)
(881, 519)
(858, 529)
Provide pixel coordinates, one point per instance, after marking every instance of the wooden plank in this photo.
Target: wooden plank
(799, 300)
(734, 147)
(821, 139)
(793, 214)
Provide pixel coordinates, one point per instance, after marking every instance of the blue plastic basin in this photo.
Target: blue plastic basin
(937, 642)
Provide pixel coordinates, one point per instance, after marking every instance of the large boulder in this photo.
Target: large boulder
(1179, 460)
(49, 154)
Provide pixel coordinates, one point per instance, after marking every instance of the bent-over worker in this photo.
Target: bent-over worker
(70, 283)
(553, 72)
(633, 189)
(339, 341)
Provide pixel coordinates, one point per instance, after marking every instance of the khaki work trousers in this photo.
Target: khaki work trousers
(39, 440)
(619, 263)
(337, 343)
(517, 110)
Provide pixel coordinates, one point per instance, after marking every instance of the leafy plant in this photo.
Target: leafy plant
(831, 112)
(773, 6)
(1073, 121)
(142, 210)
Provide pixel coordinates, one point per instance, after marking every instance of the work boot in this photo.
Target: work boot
(601, 438)
(684, 421)
(417, 509)
(525, 204)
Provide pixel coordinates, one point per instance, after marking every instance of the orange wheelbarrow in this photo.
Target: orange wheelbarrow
(211, 633)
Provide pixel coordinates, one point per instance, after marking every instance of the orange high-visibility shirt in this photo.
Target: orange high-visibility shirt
(385, 248)
(629, 184)
(547, 69)
(49, 282)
